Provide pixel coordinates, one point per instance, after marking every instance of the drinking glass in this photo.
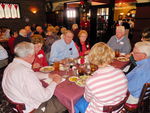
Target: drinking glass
(117, 53)
(56, 65)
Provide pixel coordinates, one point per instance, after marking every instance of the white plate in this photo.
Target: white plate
(47, 69)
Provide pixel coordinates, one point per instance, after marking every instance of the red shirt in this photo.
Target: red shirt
(84, 49)
(41, 59)
(11, 44)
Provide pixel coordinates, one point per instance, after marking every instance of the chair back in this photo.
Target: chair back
(18, 107)
(111, 108)
(145, 94)
(142, 103)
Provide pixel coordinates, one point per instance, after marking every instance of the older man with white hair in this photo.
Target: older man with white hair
(22, 37)
(22, 85)
(120, 41)
(40, 31)
(141, 73)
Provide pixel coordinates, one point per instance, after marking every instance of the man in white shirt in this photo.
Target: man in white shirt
(3, 57)
(21, 84)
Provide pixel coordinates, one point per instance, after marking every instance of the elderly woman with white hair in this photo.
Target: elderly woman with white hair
(120, 41)
(22, 85)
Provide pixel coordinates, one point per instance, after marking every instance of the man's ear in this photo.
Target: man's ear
(144, 56)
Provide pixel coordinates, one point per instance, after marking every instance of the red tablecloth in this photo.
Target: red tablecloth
(68, 92)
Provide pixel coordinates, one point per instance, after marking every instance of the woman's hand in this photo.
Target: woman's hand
(36, 65)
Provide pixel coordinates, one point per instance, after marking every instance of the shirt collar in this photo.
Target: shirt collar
(22, 62)
(118, 40)
(65, 42)
(143, 61)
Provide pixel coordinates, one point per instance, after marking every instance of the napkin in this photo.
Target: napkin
(126, 68)
(49, 80)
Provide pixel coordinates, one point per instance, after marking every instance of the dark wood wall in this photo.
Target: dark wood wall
(27, 17)
(142, 20)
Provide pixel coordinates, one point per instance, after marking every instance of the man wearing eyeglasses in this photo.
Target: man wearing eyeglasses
(141, 73)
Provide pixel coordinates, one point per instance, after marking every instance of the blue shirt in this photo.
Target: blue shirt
(138, 77)
(60, 50)
(3, 53)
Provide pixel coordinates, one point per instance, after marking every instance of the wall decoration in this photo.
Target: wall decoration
(9, 11)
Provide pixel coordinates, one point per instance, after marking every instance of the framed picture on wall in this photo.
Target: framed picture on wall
(9, 11)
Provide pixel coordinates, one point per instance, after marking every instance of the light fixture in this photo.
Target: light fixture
(34, 10)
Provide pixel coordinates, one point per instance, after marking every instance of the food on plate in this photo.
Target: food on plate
(81, 82)
(47, 69)
(123, 59)
(84, 77)
(73, 78)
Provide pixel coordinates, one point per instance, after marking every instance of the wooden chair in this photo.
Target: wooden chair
(17, 107)
(119, 106)
(144, 98)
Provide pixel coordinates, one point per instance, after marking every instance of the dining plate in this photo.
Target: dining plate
(80, 82)
(84, 77)
(47, 69)
(123, 59)
(73, 78)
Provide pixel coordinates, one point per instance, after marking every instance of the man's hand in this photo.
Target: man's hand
(56, 78)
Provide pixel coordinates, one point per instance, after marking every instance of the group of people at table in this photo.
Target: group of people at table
(107, 85)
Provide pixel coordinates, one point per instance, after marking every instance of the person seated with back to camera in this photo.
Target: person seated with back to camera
(3, 57)
(141, 73)
(63, 49)
(82, 43)
(120, 41)
(106, 86)
(40, 57)
(22, 85)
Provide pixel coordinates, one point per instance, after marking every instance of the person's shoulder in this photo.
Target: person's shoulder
(57, 43)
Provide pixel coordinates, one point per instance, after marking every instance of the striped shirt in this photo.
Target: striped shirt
(107, 86)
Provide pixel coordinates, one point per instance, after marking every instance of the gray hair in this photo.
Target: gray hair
(24, 49)
(23, 32)
(121, 28)
(144, 47)
(75, 26)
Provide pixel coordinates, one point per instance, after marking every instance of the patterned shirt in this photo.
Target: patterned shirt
(123, 45)
(107, 86)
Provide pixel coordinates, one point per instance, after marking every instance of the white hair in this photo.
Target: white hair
(121, 28)
(24, 49)
(143, 47)
(23, 32)
(75, 26)
(38, 28)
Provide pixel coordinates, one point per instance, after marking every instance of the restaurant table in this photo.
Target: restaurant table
(68, 92)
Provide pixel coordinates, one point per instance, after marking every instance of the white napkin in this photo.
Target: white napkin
(126, 68)
(49, 80)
